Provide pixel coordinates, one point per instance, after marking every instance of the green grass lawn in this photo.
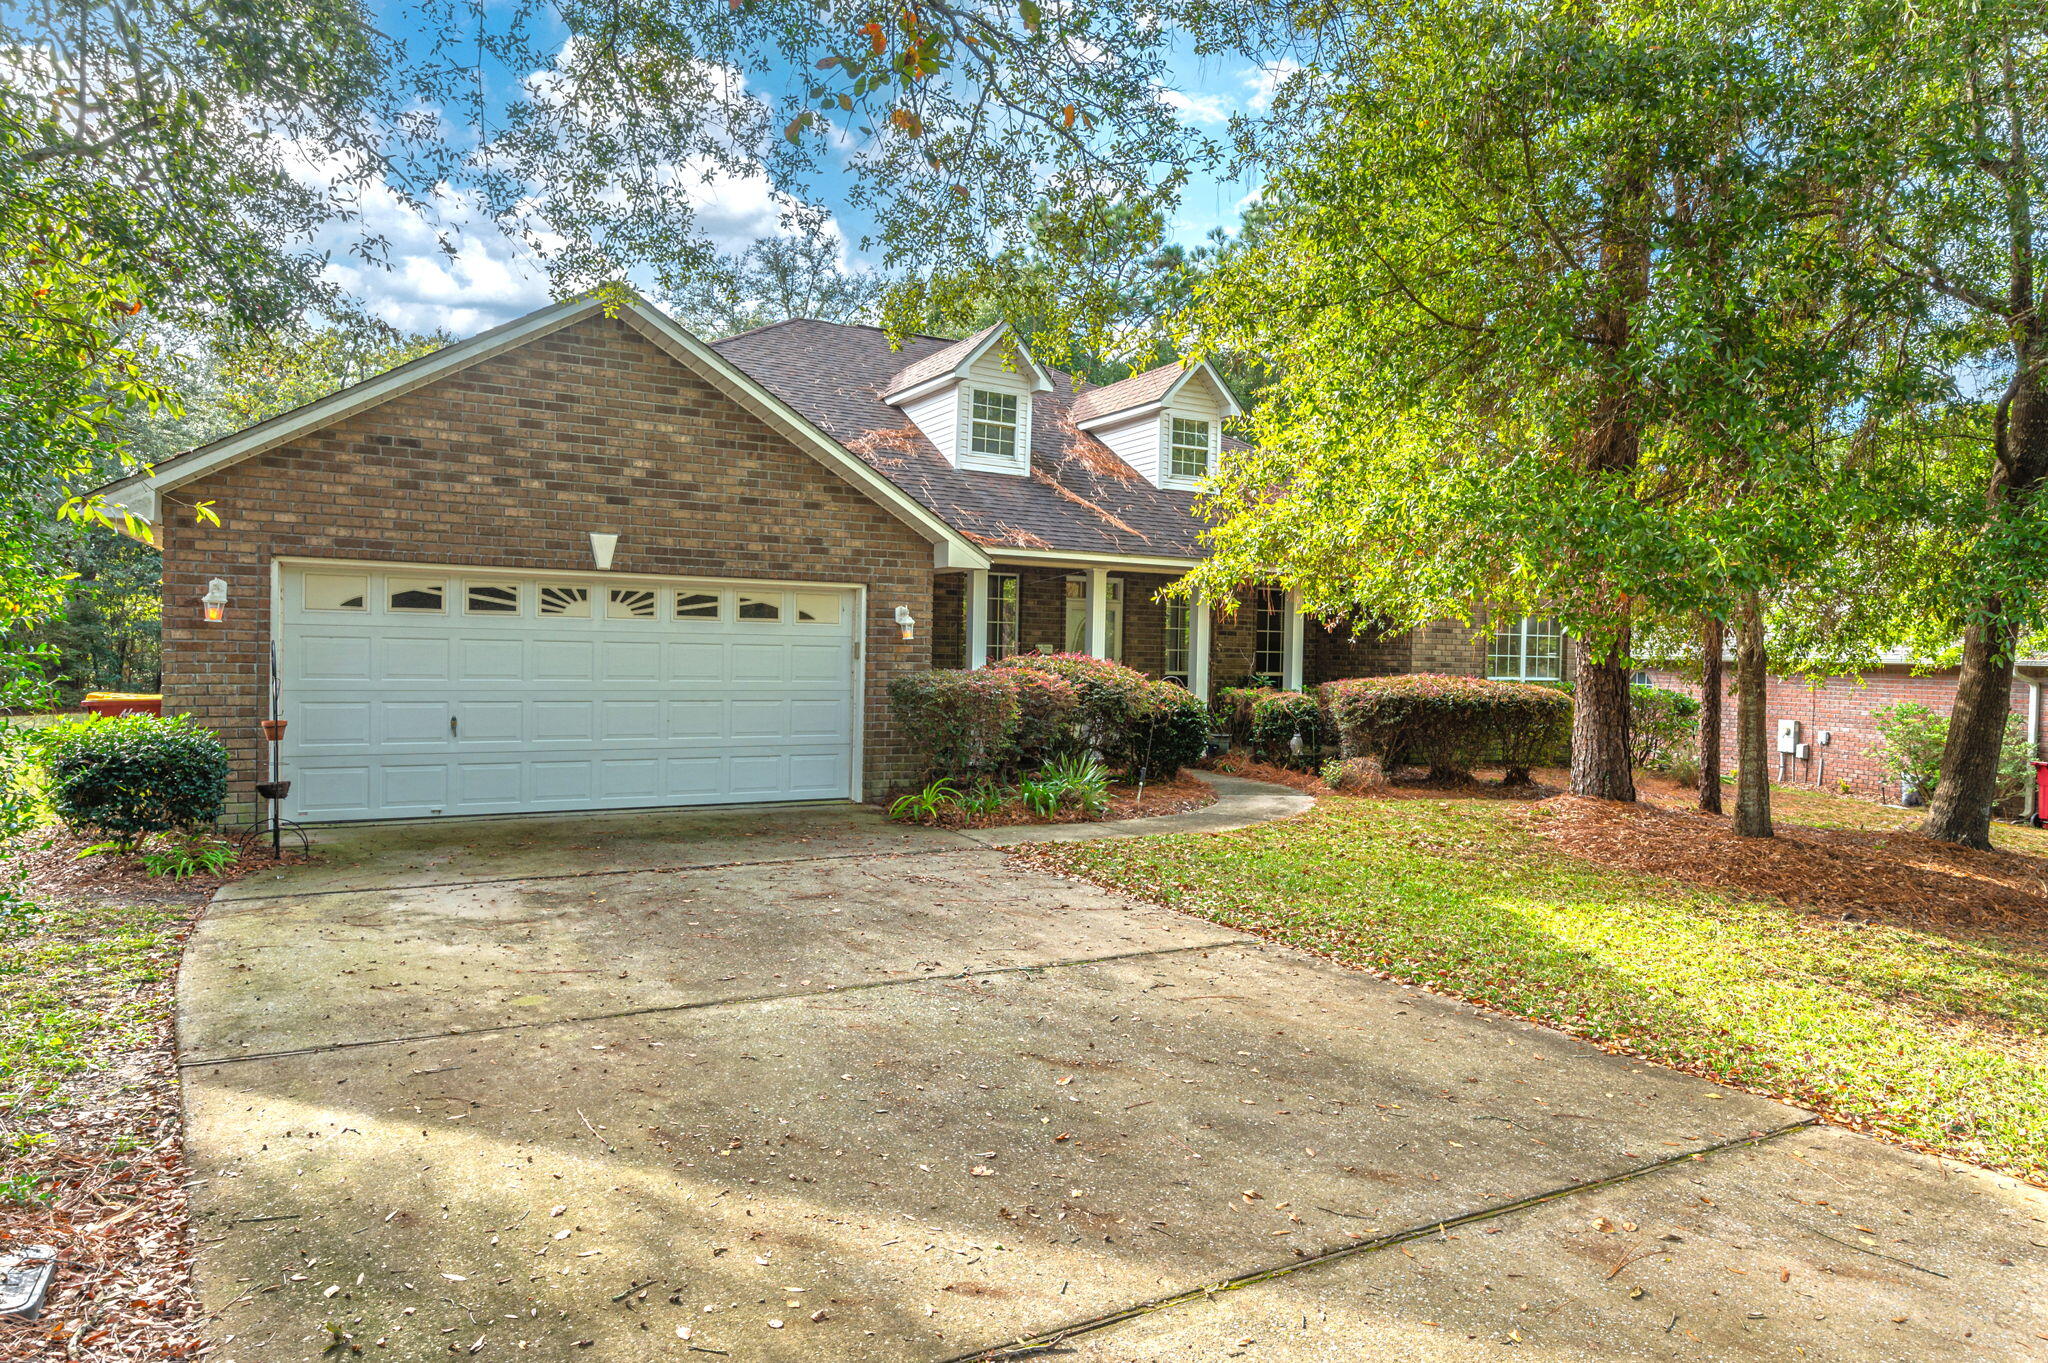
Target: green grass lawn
(76, 994)
(1940, 1039)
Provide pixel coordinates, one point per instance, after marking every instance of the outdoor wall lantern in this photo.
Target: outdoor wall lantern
(215, 602)
(602, 543)
(906, 622)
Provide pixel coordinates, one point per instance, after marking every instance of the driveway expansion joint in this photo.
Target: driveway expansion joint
(737, 1000)
(1049, 1341)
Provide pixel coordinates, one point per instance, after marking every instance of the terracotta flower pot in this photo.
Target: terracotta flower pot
(273, 730)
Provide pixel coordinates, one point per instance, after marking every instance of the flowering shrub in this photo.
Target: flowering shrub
(960, 723)
(1449, 724)
(1137, 725)
(1278, 718)
(1047, 709)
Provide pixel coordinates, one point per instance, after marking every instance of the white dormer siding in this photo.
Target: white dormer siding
(1136, 420)
(939, 398)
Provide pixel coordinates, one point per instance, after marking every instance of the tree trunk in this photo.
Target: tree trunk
(1752, 726)
(1960, 811)
(1712, 635)
(1600, 724)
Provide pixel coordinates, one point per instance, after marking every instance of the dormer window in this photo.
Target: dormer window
(993, 433)
(1189, 454)
(972, 400)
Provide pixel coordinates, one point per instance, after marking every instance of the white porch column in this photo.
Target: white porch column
(1095, 639)
(1291, 640)
(1198, 644)
(977, 617)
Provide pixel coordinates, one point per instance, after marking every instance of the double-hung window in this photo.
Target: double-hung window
(992, 431)
(1179, 639)
(1188, 450)
(1526, 648)
(1001, 621)
(1269, 633)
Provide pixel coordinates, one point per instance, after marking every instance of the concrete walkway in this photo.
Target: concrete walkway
(798, 1083)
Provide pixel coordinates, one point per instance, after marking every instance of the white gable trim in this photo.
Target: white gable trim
(1040, 377)
(1231, 407)
(140, 496)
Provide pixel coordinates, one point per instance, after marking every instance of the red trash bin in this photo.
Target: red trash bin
(2040, 791)
(122, 703)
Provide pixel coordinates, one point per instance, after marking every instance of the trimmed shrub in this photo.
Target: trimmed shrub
(1354, 775)
(1278, 718)
(1137, 725)
(1233, 709)
(1448, 724)
(126, 777)
(1048, 708)
(1663, 727)
(959, 723)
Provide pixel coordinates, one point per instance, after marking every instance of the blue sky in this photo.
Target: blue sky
(491, 279)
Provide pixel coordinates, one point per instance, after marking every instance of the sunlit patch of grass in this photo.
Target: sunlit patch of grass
(1940, 1039)
(73, 994)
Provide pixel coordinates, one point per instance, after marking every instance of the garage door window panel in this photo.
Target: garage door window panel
(491, 598)
(700, 606)
(760, 608)
(630, 603)
(567, 603)
(416, 594)
(337, 591)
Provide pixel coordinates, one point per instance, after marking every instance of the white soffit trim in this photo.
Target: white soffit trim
(142, 494)
(1063, 558)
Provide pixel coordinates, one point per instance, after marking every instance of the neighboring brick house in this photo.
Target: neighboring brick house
(585, 560)
(1834, 744)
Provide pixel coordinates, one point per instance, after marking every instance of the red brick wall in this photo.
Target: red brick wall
(510, 464)
(1844, 706)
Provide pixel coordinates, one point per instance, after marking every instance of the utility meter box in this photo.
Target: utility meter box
(1788, 735)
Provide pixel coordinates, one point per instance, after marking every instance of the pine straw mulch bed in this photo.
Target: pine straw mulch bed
(1899, 877)
(1177, 796)
(91, 1113)
(1409, 783)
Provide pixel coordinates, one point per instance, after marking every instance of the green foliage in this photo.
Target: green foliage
(981, 801)
(1047, 709)
(1079, 780)
(130, 776)
(1911, 738)
(1663, 727)
(189, 857)
(1278, 718)
(25, 1190)
(1450, 724)
(1137, 726)
(1232, 706)
(1041, 797)
(925, 805)
(960, 723)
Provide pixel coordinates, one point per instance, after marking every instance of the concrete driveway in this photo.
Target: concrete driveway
(796, 1083)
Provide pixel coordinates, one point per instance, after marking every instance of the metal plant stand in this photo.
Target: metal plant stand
(273, 792)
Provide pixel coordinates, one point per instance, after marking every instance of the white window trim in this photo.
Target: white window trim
(1181, 482)
(1020, 463)
(1521, 671)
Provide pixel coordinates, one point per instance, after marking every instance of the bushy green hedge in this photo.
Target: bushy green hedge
(961, 723)
(1663, 727)
(1446, 723)
(1910, 738)
(1233, 710)
(125, 777)
(1047, 708)
(1139, 726)
(1278, 718)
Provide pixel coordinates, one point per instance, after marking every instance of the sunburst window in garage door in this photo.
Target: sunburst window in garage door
(570, 603)
(491, 598)
(817, 608)
(631, 603)
(337, 591)
(697, 605)
(755, 606)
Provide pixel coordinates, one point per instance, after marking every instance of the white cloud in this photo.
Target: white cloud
(454, 269)
(1264, 80)
(1209, 108)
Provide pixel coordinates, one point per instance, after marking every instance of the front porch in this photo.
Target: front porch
(1076, 606)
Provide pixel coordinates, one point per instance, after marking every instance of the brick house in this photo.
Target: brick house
(585, 560)
(1832, 744)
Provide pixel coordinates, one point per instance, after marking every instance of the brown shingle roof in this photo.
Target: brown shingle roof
(1080, 497)
(938, 362)
(1139, 390)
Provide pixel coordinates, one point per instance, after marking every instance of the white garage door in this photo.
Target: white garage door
(415, 692)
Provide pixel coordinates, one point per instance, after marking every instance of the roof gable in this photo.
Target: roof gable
(140, 495)
(1139, 394)
(955, 362)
